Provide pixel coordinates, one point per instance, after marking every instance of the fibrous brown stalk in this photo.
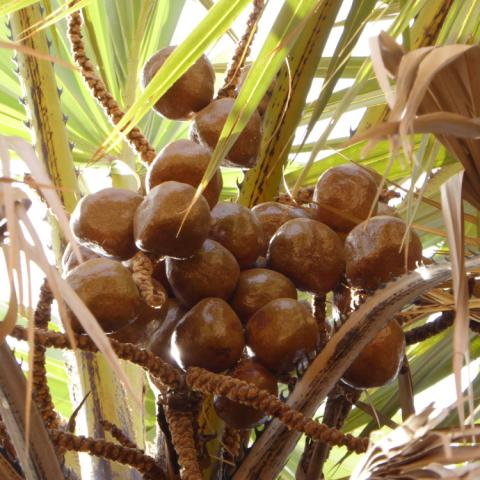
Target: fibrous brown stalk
(232, 443)
(167, 374)
(119, 435)
(203, 381)
(241, 52)
(239, 391)
(180, 424)
(41, 390)
(142, 269)
(136, 138)
(110, 451)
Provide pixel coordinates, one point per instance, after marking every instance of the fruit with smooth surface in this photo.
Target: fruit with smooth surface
(184, 161)
(108, 291)
(210, 335)
(241, 416)
(161, 225)
(309, 253)
(272, 215)
(281, 333)
(189, 94)
(103, 222)
(237, 229)
(211, 272)
(344, 196)
(149, 320)
(159, 342)
(209, 122)
(258, 286)
(70, 260)
(379, 362)
(373, 255)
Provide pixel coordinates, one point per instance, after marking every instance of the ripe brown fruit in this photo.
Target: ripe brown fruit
(241, 416)
(208, 124)
(272, 215)
(141, 329)
(380, 361)
(103, 222)
(237, 229)
(160, 275)
(309, 253)
(210, 335)
(159, 342)
(344, 196)
(109, 292)
(189, 94)
(257, 287)
(280, 333)
(70, 260)
(184, 161)
(372, 251)
(211, 272)
(159, 217)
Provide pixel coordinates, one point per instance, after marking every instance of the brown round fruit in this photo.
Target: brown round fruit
(103, 222)
(210, 335)
(380, 361)
(372, 251)
(280, 333)
(109, 292)
(148, 321)
(184, 161)
(309, 253)
(237, 229)
(189, 94)
(70, 260)
(272, 215)
(344, 196)
(159, 217)
(160, 275)
(208, 124)
(210, 272)
(160, 340)
(257, 287)
(241, 416)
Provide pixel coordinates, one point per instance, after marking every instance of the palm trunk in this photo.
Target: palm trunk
(107, 399)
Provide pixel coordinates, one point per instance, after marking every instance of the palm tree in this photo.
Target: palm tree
(73, 90)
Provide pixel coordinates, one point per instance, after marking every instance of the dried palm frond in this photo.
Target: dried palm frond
(415, 450)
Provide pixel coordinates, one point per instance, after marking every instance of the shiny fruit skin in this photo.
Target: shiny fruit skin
(70, 260)
(241, 416)
(210, 335)
(236, 228)
(372, 251)
(109, 292)
(208, 124)
(379, 362)
(189, 94)
(272, 215)
(103, 222)
(280, 333)
(211, 272)
(184, 161)
(258, 286)
(309, 253)
(344, 196)
(159, 217)
(159, 342)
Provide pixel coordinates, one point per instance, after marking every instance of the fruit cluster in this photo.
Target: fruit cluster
(230, 273)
